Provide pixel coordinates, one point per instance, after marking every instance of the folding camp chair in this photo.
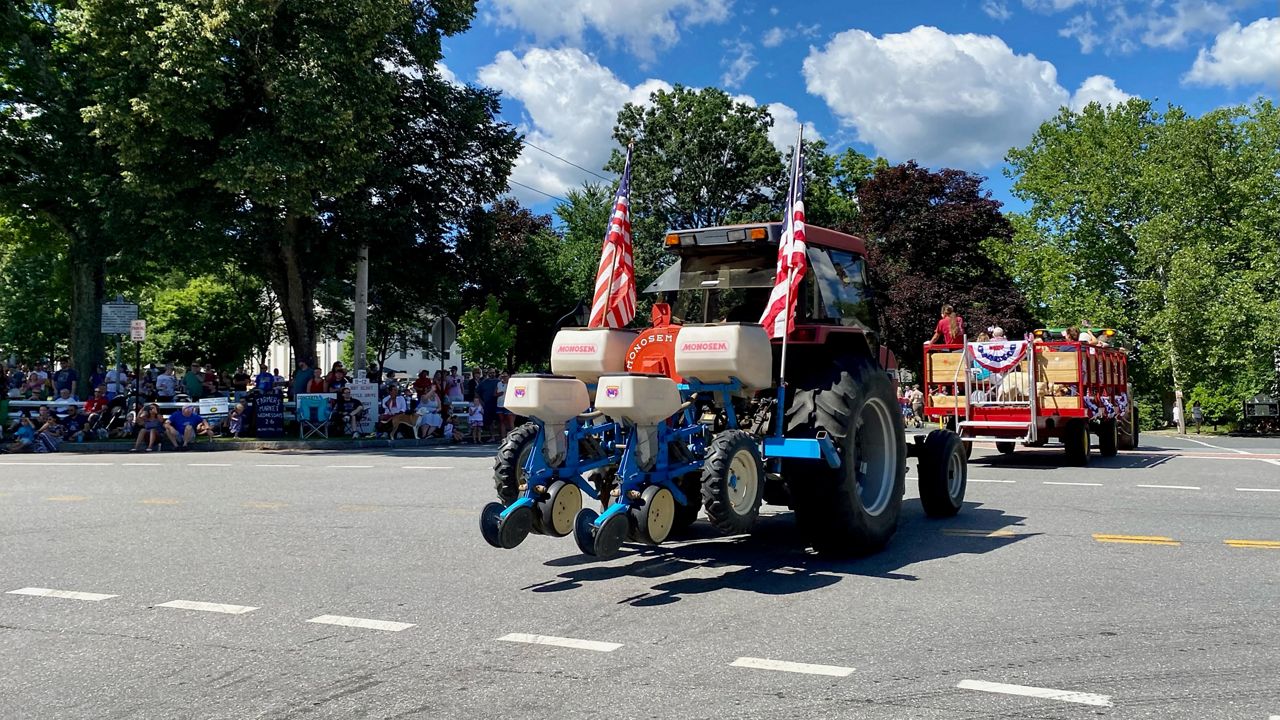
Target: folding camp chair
(313, 416)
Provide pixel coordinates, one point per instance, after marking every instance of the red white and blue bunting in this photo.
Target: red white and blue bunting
(998, 357)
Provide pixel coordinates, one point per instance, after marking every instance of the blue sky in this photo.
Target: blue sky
(949, 84)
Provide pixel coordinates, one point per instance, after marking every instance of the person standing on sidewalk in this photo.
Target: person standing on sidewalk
(1197, 415)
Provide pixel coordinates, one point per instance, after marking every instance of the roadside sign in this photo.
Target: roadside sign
(117, 317)
(138, 330)
(213, 406)
(367, 393)
(443, 333)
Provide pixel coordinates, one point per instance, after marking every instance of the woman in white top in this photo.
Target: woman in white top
(428, 413)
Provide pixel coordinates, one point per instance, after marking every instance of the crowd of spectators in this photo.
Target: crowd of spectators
(122, 403)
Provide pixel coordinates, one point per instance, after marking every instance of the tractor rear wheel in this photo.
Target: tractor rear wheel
(852, 509)
(508, 466)
(733, 482)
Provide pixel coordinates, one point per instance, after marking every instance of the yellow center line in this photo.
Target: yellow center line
(1136, 539)
(966, 532)
(161, 501)
(67, 498)
(1271, 544)
(265, 505)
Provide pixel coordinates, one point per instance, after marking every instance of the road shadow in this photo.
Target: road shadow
(774, 560)
(1053, 458)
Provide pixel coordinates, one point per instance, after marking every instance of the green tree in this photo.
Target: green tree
(486, 335)
(33, 290)
(585, 218)
(305, 129)
(204, 320)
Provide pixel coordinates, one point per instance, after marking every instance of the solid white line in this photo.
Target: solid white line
(1170, 487)
(208, 607)
(361, 623)
(208, 464)
(1054, 482)
(1036, 692)
(794, 667)
(425, 467)
(1257, 489)
(59, 464)
(574, 643)
(348, 467)
(66, 594)
(1218, 447)
(1009, 482)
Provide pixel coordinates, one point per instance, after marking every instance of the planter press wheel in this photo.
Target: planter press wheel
(507, 533)
(652, 521)
(555, 515)
(603, 542)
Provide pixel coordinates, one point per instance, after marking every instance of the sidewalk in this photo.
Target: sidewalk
(107, 446)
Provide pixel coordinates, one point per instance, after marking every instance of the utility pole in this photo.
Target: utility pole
(362, 310)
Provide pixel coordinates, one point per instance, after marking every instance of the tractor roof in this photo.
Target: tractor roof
(760, 233)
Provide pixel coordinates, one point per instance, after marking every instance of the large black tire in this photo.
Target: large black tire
(944, 474)
(733, 482)
(852, 509)
(1108, 437)
(508, 466)
(968, 444)
(1129, 431)
(687, 514)
(1005, 447)
(1075, 438)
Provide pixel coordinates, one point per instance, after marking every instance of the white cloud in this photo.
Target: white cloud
(942, 99)
(644, 26)
(786, 124)
(1100, 89)
(775, 36)
(738, 64)
(1123, 26)
(571, 103)
(996, 9)
(1240, 55)
(446, 74)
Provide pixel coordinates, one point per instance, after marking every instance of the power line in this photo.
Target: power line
(540, 192)
(567, 162)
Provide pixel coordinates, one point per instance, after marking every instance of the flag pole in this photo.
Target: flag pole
(791, 278)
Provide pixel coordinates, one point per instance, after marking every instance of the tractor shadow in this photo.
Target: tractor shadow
(774, 560)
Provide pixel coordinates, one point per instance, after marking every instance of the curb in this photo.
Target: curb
(219, 445)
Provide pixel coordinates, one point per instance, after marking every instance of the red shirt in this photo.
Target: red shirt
(95, 404)
(944, 329)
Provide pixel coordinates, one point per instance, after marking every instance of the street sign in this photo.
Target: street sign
(117, 316)
(138, 330)
(443, 333)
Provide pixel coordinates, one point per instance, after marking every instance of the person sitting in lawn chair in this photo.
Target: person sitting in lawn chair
(347, 414)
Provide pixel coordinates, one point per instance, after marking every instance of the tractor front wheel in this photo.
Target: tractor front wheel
(732, 482)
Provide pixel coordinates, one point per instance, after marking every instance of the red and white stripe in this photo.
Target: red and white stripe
(780, 314)
(614, 303)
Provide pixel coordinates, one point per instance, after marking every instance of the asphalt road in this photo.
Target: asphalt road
(1020, 607)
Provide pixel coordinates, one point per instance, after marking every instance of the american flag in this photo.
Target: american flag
(614, 304)
(780, 314)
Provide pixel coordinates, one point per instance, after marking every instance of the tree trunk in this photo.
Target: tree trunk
(87, 280)
(297, 305)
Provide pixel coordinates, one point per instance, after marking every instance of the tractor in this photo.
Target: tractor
(697, 421)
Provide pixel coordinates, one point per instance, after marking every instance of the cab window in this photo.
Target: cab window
(841, 281)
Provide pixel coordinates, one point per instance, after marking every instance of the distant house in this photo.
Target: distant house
(407, 362)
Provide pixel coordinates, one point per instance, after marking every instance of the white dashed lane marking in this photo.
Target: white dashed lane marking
(1077, 484)
(64, 594)
(1276, 490)
(564, 642)
(208, 607)
(365, 623)
(1170, 487)
(792, 667)
(1007, 482)
(1036, 692)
